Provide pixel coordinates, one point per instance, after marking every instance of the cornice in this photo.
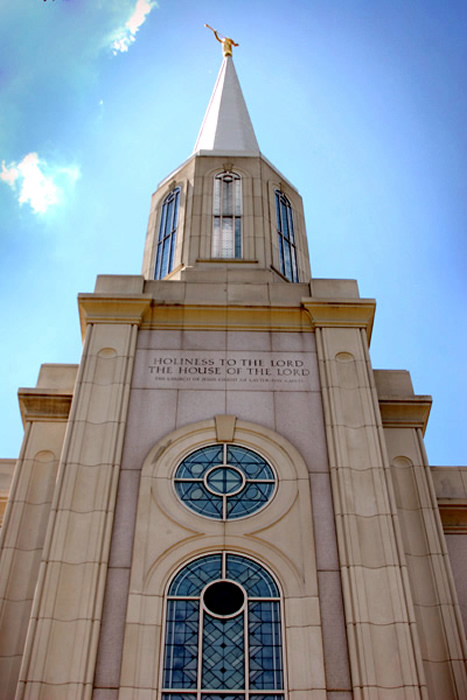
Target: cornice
(405, 412)
(100, 308)
(44, 404)
(341, 313)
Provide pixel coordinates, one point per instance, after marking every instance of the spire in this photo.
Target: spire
(227, 127)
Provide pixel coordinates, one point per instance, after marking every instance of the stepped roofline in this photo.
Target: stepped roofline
(227, 127)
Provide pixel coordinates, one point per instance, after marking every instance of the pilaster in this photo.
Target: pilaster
(433, 591)
(45, 414)
(59, 657)
(384, 649)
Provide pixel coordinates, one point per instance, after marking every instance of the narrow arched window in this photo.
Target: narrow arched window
(227, 211)
(167, 234)
(286, 236)
(223, 636)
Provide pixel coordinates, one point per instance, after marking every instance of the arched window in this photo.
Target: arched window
(167, 234)
(223, 636)
(227, 211)
(286, 235)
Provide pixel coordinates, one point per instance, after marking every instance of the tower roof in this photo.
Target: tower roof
(227, 127)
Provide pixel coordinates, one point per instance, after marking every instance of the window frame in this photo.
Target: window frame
(227, 217)
(247, 692)
(286, 236)
(167, 237)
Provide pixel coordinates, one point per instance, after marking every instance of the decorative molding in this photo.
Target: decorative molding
(44, 404)
(407, 412)
(97, 308)
(341, 313)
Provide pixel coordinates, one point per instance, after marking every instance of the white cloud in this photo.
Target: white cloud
(126, 36)
(37, 183)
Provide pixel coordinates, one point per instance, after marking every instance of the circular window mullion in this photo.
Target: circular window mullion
(238, 487)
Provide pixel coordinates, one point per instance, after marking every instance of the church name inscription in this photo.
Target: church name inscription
(242, 369)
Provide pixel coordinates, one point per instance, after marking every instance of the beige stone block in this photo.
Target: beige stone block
(422, 581)
(323, 522)
(105, 693)
(69, 591)
(457, 548)
(254, 406)
(293, 342)
(14, 620)
(9, 672)
(141, 649)
(85, 488)
(433, 634)
(151, 415)
(124, 519)
(203, 340)
(60, 652)
(305, 643)
(195, 405)
(99, 403)
(361, 446)
(144, 608)
(160, 340)
(27, 525)
(299, 418)
(250, 341)
(45, 436)
(91, 444)
(77, 537)
(107, 673)
(18, 573)
(370, 541)
(335, 289)
(110, 335)
(136, 693)
(119, 284)
(415, 534)
(309, 694)
(106, 369)
(57, 376)
(302, 612)
(225, 427)
(378, 595)
(36, 480)
(405, 484)
(363, 492)
(334, 634)
(439, 678)
(338, 340)
(389, 661)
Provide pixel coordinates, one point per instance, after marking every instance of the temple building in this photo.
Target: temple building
(224, 500)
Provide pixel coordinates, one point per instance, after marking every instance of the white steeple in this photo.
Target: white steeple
(227, 127)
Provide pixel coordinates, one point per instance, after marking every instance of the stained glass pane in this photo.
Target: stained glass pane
(257, 582)
(238, 197)
(265, 645)
(222, 696)
(191, 580)
(167, 234)
(178, 696)
(249, 500)
(202, 501)
(238, 238)
(224, 480)
(254, 466)
(181, 649)
(223, 653)
(198, 462)
(227, 237)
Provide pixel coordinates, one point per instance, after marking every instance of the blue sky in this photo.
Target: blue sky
(362, 104)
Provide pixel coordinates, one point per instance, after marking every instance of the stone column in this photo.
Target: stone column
(384, 649)
(45, 410)
(435, 600)
(60, 653)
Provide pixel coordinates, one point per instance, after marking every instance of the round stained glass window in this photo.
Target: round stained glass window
(224, 481)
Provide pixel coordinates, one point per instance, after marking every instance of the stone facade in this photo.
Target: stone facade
(366, 542)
